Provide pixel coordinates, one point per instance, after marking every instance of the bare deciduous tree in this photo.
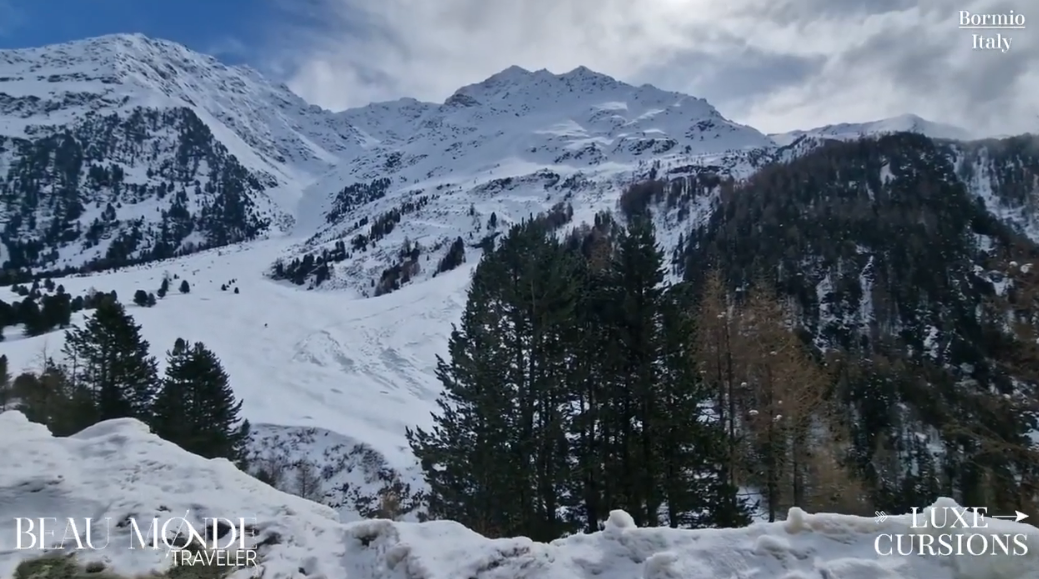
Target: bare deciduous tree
(786, 398)
(714, 356)
(308, 481)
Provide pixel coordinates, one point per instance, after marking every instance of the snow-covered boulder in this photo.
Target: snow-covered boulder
(118, 469)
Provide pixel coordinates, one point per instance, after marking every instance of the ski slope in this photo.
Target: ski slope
(360, 368)
(117, 469)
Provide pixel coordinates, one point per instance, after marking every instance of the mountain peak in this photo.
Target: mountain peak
(910, 118)
(270, 127)
(513, 72)
(135, 44)
(515, 81)
(904, 123)
(583, 72)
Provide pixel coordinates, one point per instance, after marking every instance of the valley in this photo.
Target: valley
(328, 255)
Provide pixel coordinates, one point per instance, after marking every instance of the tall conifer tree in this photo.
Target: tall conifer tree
(461, 455)
(638, 275)
(108, 357)
(196, 407)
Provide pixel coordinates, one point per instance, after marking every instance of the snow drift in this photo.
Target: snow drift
(118, 469)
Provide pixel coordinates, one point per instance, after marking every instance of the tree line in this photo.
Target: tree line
(579, 382)
(47, 306)
(106, 371)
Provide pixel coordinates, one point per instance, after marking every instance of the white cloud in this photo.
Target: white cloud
(228, 47)
(773, 64)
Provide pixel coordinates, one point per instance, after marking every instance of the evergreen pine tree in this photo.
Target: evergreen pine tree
(594, 494)
(461, 455)
(140, 298)
(5, 382)
(184, 287)
(53, 311)
(497, 456)
(638, 273)
(34, 324)
(538, 295)
(52, 399)
(63, 314)
(109, 358)
(196, 407)
(171, 407)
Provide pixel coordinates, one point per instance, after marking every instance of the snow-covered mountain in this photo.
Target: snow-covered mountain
(164, 151)
(264, 125)
(152, 150)
(901, 124)
(122, 148)
(116, 469)
(516, 144)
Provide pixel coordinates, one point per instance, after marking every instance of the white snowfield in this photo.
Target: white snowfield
(117, 469)
(361, 368)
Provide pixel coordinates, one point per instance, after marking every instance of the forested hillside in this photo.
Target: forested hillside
(854, 333)
(923, 302)
(121, 188)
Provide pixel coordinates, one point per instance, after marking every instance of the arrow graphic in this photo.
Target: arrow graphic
(1018, 516)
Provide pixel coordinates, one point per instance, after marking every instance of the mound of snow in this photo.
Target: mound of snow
(118, 469)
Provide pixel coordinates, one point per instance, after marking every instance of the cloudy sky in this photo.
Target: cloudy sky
(774, 64)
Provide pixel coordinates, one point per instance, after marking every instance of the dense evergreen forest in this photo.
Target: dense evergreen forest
(839, 341)
(66, 189)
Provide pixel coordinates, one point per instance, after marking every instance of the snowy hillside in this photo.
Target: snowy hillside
(901, 124)
(116, 469)
(122, 148)
(517, 144)
(309, 359)
(266, 126)
(129, 153)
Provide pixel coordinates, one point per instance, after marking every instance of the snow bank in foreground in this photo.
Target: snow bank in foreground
(118, 469)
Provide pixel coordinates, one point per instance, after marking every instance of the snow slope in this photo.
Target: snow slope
(148, 144)
(513, 145)
(266, 126)
(363, 369)
(849, 131)
(116, 469)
